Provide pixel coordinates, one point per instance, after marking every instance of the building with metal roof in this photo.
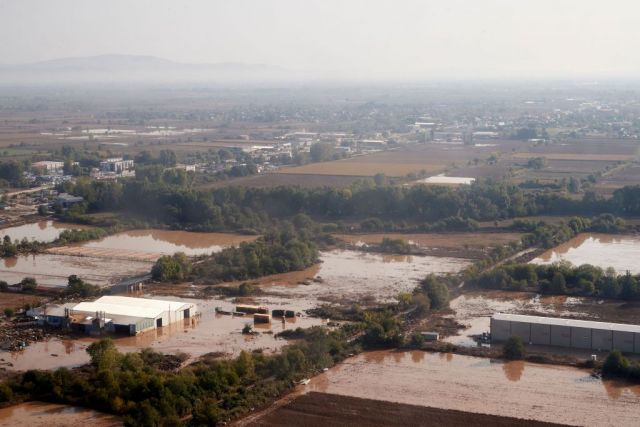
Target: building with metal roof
(126, 314)
(571, 333)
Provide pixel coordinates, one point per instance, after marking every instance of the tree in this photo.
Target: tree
(558, 283)
(615, 365)
(513, 348)
(171, 267)
(321, 151)
(436, 290)
(28, 284)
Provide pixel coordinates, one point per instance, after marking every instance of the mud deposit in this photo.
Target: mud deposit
(321, 409)
(43, 231)
(39, 414)
(463, 245)
(53, 270)
(349, 276)
(602, 250)
(209, 333)
(514, 389)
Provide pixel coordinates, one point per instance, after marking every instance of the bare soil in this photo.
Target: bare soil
(322, 410)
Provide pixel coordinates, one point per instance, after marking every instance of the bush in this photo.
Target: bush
(171, 267)
(9, 312)
(436, 290)
(417, 341)
(245, 289)
(616, 365)
(513, 349)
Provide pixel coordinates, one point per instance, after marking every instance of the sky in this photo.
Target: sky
(354, 39)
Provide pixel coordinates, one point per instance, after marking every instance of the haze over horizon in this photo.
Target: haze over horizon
(355, 40)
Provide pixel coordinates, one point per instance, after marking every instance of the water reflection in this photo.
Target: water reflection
(602, 250)
(513, 370)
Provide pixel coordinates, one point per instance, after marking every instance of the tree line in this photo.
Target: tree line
(562, 279)
(235, 207)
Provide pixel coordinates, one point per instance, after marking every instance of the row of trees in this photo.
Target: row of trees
(563, 279)
(234, 207)
(135, 385)
(274, 253)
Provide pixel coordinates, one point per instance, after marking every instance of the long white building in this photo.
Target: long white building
(128, 315)
(580, 334)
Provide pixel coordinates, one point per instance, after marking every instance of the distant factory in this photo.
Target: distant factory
(579, 334)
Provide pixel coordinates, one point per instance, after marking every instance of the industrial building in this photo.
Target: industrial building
(117, 314)
(116, 165)
(579, 334)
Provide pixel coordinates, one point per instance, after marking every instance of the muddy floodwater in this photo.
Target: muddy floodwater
(198, 336)
(40, 414)
(602, 250)
(474, 310)
(167, 242)
(345, 275)
(516, 389)
(53, 270)
(43, 231)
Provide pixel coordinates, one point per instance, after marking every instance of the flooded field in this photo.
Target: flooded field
(167, 242)
(462, 243)
(40, 414)
(43, 231)
(210, 333)
(53, 270)
(517, 389)
(346, 275)
(602, 250)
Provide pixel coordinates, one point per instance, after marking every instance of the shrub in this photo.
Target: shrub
(513, 349)
(9, 312)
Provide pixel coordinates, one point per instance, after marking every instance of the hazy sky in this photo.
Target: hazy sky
(409, 39)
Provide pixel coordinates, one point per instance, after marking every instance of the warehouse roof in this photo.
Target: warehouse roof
(127, 306)
(555, 321)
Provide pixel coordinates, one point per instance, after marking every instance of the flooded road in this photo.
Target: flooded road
(43, 231)
(603, 250)
(517, 389)
(40, 414)
(210, 333)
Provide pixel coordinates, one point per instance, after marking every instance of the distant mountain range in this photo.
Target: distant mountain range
(142, 69)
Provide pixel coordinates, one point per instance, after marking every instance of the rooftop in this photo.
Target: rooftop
(128, 306)
(555, 321)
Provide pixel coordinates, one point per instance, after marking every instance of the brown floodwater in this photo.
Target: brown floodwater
(53, 270)
(434, 240)
(350, 276)
(43, 231)
(517, 389)
(210, 333)
(602, 250)
(167, 242)
(474, 310)
(40, 414)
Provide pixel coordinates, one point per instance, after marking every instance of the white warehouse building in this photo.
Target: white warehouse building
(128, 315)
(580, 334)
